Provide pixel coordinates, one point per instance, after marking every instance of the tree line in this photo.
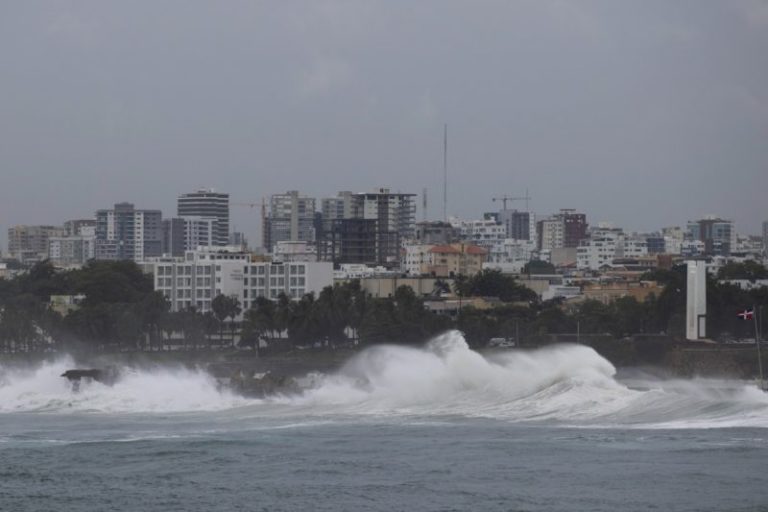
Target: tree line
(121, 311)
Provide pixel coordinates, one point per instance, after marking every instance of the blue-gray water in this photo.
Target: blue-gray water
(397, 429)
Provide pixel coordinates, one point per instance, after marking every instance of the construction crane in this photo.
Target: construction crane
(262, 205)
(506, 198)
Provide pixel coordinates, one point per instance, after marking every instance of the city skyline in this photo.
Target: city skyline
(641, 114)
(256, 237)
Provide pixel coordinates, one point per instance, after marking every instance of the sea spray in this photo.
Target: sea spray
(562, 385)
(177, 389)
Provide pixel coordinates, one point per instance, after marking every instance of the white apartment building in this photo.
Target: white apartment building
(484, 233)
(291, 217)
(360, 271)
(597, 251)
(416, 258)
(294, 251)
(552, 234)
(605, 245)
(193, 281)
(632, 247)
(511, 250)
(72, 250)
(692, 248)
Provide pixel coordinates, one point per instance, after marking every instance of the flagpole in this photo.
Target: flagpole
(759, 354)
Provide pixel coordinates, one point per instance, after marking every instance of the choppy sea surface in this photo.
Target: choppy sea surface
(440, 428)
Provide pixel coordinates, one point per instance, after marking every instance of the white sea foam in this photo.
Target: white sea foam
(566, 385)
(168, 390)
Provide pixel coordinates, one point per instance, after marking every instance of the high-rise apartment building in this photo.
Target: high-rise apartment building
(30, 243)
(575, 227)
(565, 229)
(207, 204)
(518, 225)
(290, 218)
(124, 233)
(357, 241)
(182, 234)
(333, 208)
(718, 235)
(394, 212)
(80, 227)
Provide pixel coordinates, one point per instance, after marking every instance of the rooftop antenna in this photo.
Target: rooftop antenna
(424, 204)
(445, 172)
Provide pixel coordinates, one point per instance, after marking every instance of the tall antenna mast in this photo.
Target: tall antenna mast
(424, 204)
(445, 172)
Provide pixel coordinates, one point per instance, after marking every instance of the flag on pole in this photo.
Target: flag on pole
(747, 314)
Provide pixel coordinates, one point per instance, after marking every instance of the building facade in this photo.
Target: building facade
(74, 250)
(207, 204)
(437, 232)
(290, 218)
(518, 225)
(30, 243)
(718, 235)
(181, 234)
(446, 260)
(124, 233)
(484, 233)
(195, 280)
(393, 211)
(335, 208)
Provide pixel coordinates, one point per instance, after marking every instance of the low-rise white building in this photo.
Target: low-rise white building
(289, 250)
(606, 244)
(597, 251)
(416, 259)
(484, 233)
(349, 271)
(511, 250)
(193, 281)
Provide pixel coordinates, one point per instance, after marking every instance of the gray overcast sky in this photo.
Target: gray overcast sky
(644, 113)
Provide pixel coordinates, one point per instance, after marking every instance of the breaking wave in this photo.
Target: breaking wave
(565, 384)
(136, 391)
(562, 385)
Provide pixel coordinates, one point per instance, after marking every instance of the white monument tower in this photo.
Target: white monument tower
(696, 304)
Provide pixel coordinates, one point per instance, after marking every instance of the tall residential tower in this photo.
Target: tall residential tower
(208, 204)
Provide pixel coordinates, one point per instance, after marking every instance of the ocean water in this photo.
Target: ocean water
(440, 428)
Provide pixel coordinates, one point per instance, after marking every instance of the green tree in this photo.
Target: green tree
(750, 270)
(493, 283)
(224, 307)
(539, 267)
